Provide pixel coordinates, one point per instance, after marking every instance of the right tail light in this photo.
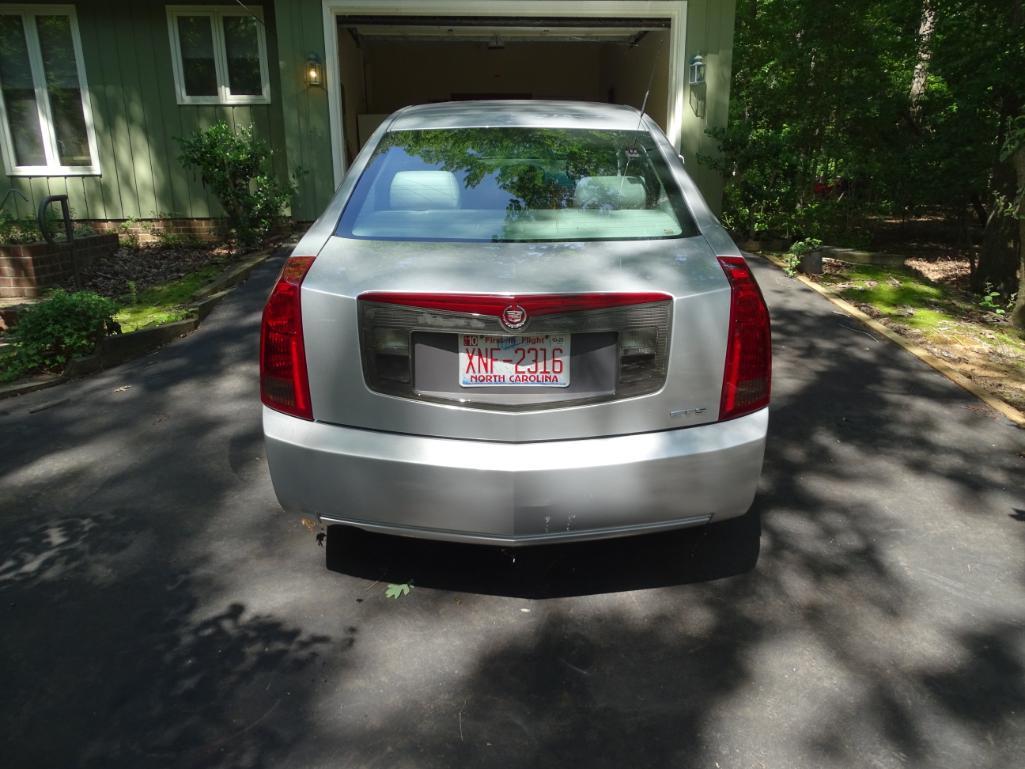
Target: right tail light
(748, 374)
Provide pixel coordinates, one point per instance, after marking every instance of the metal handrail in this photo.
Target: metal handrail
(43, 223)
(69, 230)
(7, 195)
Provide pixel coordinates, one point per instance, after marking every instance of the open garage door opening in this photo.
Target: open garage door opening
(387, 63)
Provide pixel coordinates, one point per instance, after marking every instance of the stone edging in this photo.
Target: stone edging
(117, 349)
(856, 256)
(1005, 409)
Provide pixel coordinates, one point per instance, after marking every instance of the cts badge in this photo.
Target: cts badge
(514, 317)
(674, 413)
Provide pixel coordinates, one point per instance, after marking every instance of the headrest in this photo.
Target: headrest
(424, 191)
(610, 191)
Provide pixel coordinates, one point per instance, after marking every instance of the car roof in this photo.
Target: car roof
(522, 113)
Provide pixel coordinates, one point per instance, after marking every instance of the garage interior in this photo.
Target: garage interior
(390, 62)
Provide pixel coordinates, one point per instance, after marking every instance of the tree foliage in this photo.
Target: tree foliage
(539, 167)
(841, 110)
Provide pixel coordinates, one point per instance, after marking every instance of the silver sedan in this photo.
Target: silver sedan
(516, 323)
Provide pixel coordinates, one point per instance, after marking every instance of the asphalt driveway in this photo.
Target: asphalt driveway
(158, 609)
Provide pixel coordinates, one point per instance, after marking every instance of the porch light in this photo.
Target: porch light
(697, 69)
(314, 70)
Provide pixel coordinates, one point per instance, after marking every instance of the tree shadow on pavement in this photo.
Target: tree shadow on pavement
(868, 613)
(103, 670)
(121, 645)
(882, 625)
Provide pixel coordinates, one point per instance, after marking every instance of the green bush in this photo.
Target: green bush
(83, 230)
(759, 167)
(806, 246)
(792, 259)
(14, 231)
(48, 334)
(236, 166)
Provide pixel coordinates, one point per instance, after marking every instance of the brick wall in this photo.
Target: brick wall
(151, 230)
(27, 271)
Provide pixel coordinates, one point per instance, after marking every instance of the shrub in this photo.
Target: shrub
(792, 260)
(806, 246)
(991, 300)
(17, 231)
(14, 231)
(769, 192)
(48, 334)
(83, 230)
(759, 167)
(236, 166)
(167, 239)
(126, 232)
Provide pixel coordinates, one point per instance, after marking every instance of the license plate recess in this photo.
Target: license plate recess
(540, 360)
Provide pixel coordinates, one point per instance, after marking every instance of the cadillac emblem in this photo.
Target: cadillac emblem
(514, 317)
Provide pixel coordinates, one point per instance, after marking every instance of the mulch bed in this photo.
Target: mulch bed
(950, 271)
(150, 265)
(947, 270)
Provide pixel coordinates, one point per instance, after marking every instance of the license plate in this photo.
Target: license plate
(516, 361)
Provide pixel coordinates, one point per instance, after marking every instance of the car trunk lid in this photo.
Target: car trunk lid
(662, 310)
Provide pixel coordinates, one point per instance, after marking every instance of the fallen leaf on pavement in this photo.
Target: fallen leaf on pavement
(397, 591)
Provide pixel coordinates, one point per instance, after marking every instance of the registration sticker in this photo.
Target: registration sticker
(518, 361)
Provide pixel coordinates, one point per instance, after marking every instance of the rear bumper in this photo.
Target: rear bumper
(515, 493)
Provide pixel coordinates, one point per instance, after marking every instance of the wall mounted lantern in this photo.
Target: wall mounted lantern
(314, 70)
(697, 69)
(697, 101)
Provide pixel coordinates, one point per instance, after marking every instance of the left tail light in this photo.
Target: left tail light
(284, 381)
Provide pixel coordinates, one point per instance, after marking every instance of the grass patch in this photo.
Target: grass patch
(914, 301)
(165, 303)
(944, 319)
(899, 295)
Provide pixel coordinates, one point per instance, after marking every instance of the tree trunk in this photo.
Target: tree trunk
(980, 210)
(1018, 313)
(921, 74)
(998, 256)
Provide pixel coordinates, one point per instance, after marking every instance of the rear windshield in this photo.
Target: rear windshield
(516, 184)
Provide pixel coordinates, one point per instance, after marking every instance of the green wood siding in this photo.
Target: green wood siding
(137, 119)
(300, 30)
(307, 138)
(710, 33)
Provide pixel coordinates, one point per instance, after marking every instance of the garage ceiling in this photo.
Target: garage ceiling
(498, 31)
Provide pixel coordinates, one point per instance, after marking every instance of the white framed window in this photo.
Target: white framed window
(45, 115)
(219, 54)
